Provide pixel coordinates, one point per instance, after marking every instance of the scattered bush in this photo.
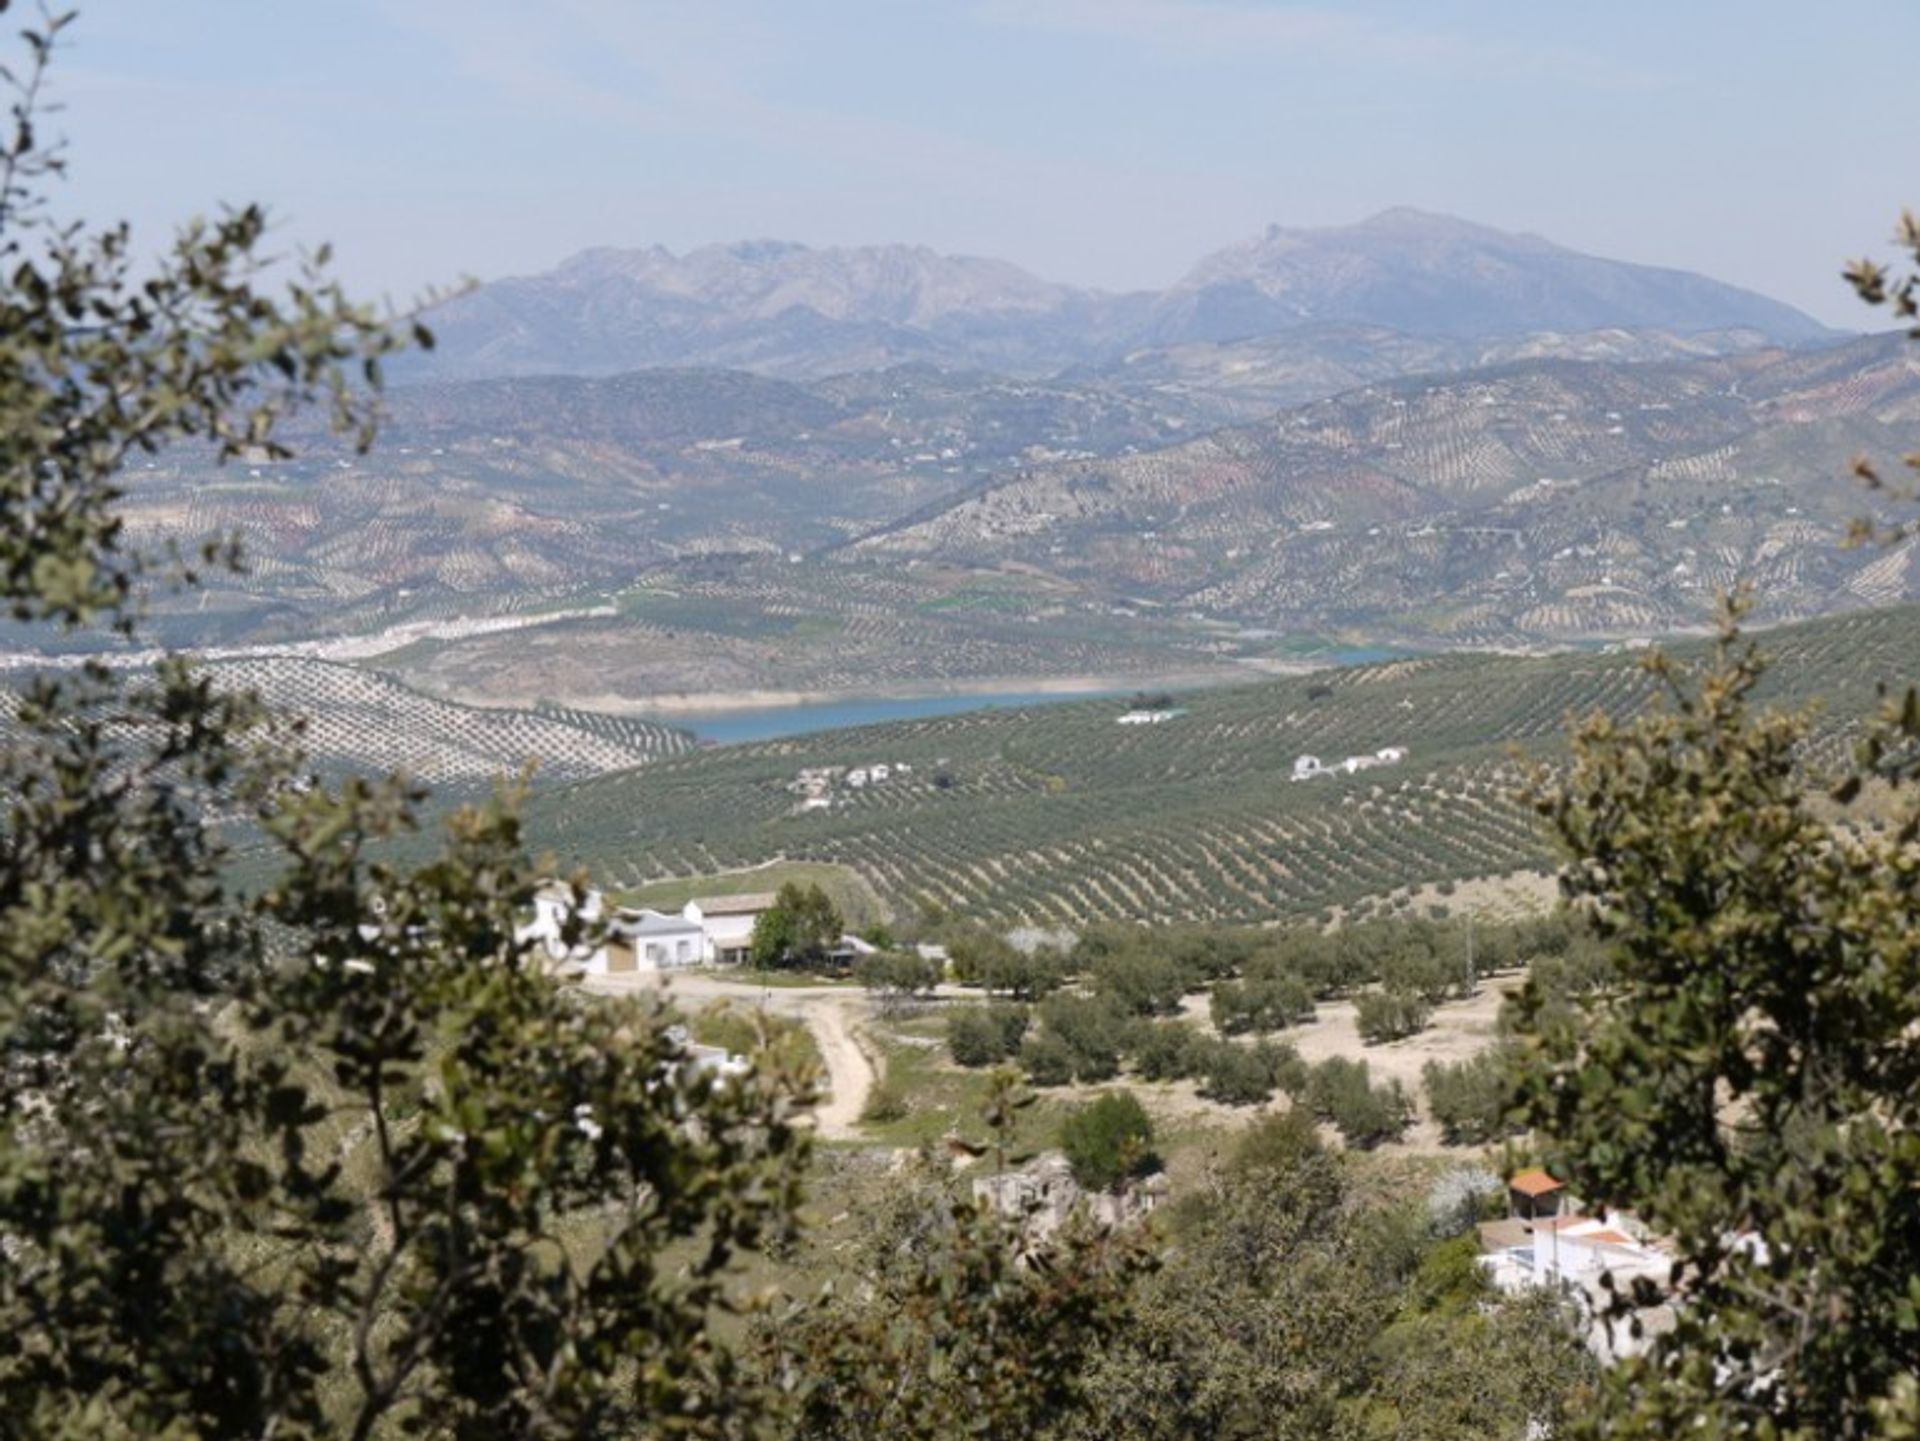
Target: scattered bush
(985, 1035)
(1165, 1050)
(1047, 1060)
(1109, 1140)
(1341, 1091)
(1469, 1099)
(1239, 1075)
(1261, 1003)
(983, 959)
(1141, 982)
(1389, 1015)
(886, 1103)
(897, 976)
(1093, 1030)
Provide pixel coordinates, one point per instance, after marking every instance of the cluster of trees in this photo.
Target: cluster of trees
(1072, 1038)
(798, 930)
(1109, 1003)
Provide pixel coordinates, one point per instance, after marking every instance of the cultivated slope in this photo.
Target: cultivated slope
(1540, 499)
(1060, 814)
(358, 721)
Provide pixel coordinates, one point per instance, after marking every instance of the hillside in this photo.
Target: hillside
(1060, 814)
(486, 497)
(1542, 499)
(801, 312)
(357, 721)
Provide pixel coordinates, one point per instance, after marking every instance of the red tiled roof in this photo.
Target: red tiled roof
(1534, 1182)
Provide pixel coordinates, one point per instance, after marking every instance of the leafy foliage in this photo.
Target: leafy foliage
(1290, 1307)
(986, 1035)
(334, 1155)
(1109, 1140)
(797, 930)
(1747, 1073)
(1469, 1099)
(954, 1325)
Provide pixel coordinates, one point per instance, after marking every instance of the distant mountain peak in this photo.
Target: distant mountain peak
(1423, 272)
(785, 308)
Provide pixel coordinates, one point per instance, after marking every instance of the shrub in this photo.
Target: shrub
(1165, 1050)
(897, 976)
(1422, 967)
(1109, 1140)
(975, 1038)
(1283, 1066)
(1468, 1099)
(1235, 1075)
(885, 1103)
(1261, 1003)
(1389, 1015)
(1341, 1091)
(1047, 1059)
(1092, 1029)
(1140, 982)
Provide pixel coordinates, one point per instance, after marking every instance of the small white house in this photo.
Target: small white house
(648, 940)
(1305, 768)
(727, 923)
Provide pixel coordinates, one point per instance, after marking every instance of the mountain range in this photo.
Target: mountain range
(794, 311)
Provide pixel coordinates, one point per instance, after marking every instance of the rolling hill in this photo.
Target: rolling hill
(1536, 500)
(1058, 814)
(357, 721)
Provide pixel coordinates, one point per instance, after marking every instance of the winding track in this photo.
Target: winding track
(833, 1013)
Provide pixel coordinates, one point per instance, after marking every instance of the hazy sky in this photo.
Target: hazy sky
(1104, 142)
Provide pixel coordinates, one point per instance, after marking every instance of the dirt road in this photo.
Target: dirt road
(834, 1014)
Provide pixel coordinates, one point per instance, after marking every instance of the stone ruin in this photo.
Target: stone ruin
(1045, 1192)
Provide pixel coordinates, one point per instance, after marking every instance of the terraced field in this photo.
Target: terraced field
(367, 723)
(1058, 814)
(363, 721)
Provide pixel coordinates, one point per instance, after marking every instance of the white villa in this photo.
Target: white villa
(1310, 768)
(638, 938)
(1546, 1241)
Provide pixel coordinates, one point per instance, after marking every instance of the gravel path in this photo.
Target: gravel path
(834, 1014)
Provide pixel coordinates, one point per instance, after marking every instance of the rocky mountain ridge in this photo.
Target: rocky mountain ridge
(783, 309)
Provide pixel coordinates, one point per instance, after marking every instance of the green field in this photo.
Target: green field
(847, 888)
(1057, 815)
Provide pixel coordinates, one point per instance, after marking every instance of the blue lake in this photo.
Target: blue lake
(732, 726)
(729, 727)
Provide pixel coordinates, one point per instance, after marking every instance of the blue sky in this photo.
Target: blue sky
(1104, 142)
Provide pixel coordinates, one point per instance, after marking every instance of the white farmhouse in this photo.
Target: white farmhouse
(1305, 768)
(727, 922)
